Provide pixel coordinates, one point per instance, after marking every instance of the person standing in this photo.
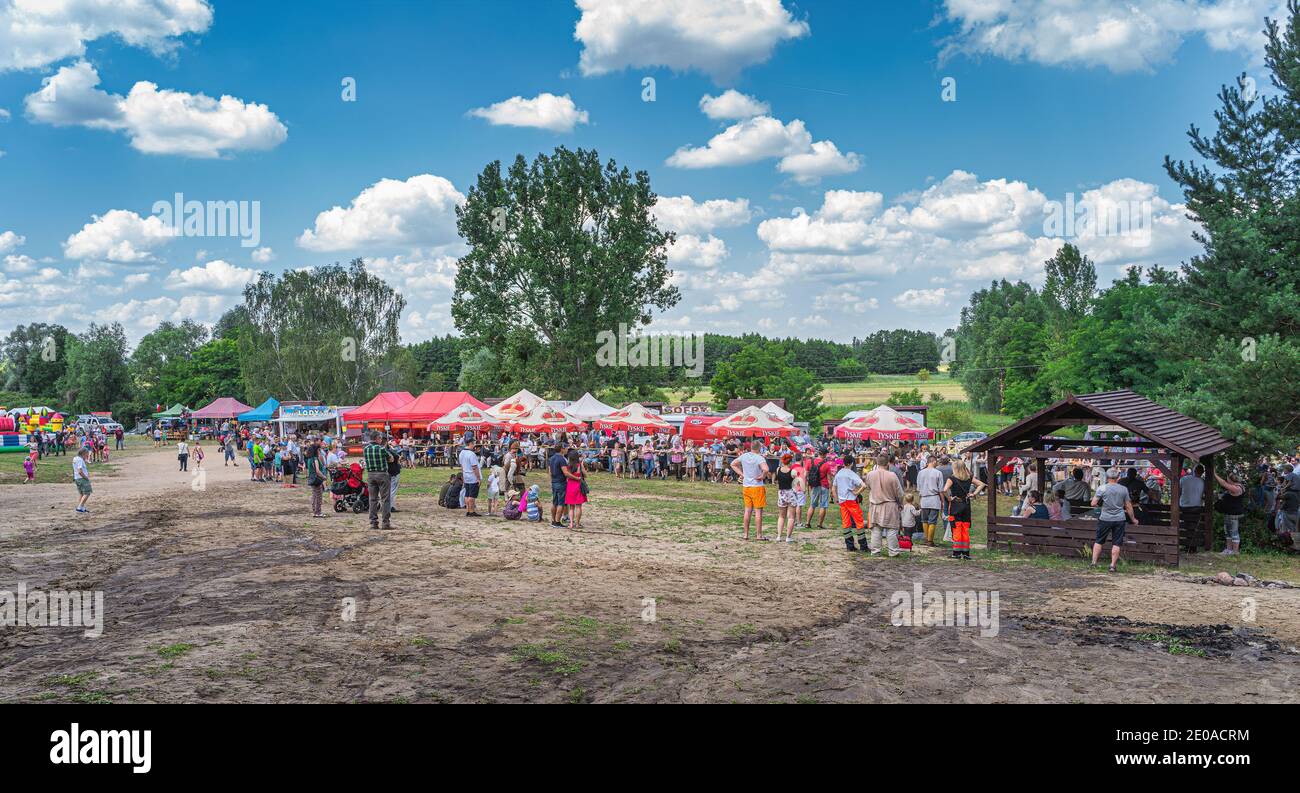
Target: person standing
(472, 474)
(959, 490)
(1233, 503)
(394, 473)
(315, 475)
(183, 454)
(752, 470)
(1115, 507)
(847, 486)
(786, 512)
(559, 485)
(118, 434)
(81, 478)
(820, 472)
(1190, 509)
(929, 483)
(574, 489)
(885, 501)
(376, 456)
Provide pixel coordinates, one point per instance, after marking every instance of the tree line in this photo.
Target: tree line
(1217, 339)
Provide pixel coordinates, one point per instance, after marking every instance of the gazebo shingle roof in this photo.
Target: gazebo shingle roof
(1134, 412)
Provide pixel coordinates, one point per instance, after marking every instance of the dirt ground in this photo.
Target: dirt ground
(231, 593)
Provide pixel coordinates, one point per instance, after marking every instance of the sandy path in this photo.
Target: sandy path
(275, 606)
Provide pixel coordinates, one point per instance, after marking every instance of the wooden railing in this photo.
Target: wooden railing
(1142, 542)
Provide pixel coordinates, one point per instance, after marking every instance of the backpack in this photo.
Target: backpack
(815, 474)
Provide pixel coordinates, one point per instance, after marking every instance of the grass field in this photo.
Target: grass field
(689, 508)
(58, 470)
(840, 398)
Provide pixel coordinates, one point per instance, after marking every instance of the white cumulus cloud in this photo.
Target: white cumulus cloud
(732, 105)
(1118, 35)
(685, 215)
(544, 111)
(418, 211)
(157, 121)
(119, 235)
(215, 276)
(37, 33)
(718, 38)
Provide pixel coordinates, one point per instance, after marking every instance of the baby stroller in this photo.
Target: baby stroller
(349, 490)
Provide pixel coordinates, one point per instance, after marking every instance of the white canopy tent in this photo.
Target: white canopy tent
(588, 408)
(514, 406)
(776, 411)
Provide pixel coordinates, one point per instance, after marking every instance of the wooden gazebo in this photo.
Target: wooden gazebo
(1163, 438)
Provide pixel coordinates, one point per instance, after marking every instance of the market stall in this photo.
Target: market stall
(633, 418)
(883, 424)
(588, 408)
(752, 422)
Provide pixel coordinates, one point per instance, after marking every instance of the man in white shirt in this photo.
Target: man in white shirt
(847, 486)
(183, 454)
(929, 483)
(470, 472)
(81, 478)
(752, 470)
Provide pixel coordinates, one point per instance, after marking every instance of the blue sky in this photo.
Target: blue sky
(849, 195)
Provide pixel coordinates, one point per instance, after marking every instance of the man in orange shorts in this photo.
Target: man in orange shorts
(847, 487)
(752, 470)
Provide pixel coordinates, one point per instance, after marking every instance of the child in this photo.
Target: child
(534, 511)
(910, 514)
(494, 488)
(29, 465)
(198, 455)
(512, 509)
(277, 464)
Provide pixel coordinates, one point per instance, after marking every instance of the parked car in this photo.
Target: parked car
(969, 437)
(105, 425)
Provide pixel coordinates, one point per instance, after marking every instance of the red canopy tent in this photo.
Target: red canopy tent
(633, 418)
(430, 406)
(222, 408)
(377, 409)
(752, 422)
(884, 424)
(696, 428)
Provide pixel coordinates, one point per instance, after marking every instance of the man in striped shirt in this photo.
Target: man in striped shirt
(377, 457)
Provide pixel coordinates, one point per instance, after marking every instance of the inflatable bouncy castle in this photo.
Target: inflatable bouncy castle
(10, 439)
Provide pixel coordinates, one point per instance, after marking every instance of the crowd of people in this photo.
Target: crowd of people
(890, 496)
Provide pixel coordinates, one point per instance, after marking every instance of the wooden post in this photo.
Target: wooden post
(1175, 490)
(991, 461)
(1208, 502)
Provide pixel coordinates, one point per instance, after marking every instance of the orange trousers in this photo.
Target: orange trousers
(961, 536)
